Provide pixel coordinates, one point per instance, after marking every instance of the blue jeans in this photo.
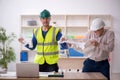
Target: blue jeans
(100, 66)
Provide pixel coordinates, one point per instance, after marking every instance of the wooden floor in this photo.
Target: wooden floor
(115, 76)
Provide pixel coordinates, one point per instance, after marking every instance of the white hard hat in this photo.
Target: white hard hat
(97, 24)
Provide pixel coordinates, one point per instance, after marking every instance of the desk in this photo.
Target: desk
(71, 63)
(67, 76)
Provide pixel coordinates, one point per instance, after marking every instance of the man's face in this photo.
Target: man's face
(45, 21)
(99, 32)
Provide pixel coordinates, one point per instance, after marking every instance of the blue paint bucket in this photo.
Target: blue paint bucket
(23, 56)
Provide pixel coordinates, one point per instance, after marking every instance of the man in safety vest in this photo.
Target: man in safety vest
(45, 41)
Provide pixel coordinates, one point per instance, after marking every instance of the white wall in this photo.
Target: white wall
(10, 11)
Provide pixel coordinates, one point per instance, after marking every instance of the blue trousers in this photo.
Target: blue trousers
(100, 66)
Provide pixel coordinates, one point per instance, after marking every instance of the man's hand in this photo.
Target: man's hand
(94, 43)
(21, 40)
(62, 39)
(69, 44)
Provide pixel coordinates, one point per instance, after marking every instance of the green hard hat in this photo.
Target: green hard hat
(45, 14)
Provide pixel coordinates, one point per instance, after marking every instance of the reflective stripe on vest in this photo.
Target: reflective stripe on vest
(49, 53)
(46, 44)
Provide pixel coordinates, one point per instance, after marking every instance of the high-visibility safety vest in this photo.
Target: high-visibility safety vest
(47, 48)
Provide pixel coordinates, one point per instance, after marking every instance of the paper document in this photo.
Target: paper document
(78, 44)
(8, 74)
(45, 73)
